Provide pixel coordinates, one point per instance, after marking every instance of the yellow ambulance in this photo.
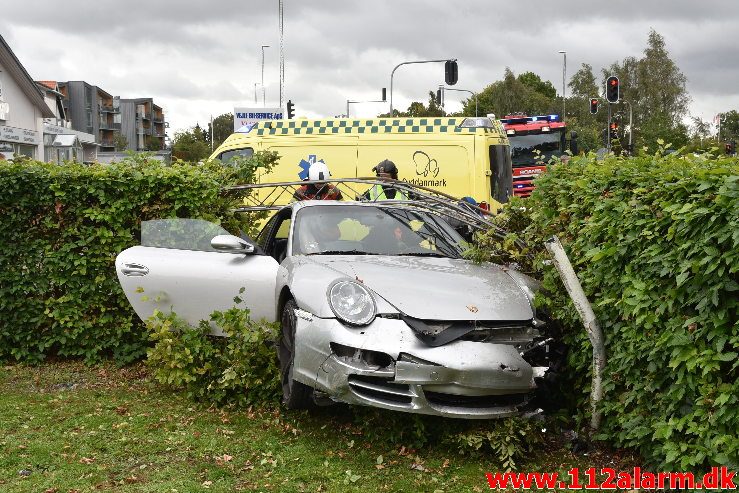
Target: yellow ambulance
(460, 156)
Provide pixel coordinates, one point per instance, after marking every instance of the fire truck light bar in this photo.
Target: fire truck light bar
(527, 119)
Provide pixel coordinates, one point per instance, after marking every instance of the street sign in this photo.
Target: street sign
(249, 116)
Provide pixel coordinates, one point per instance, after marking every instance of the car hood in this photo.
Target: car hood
(433, 288)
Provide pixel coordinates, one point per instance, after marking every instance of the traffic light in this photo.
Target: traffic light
(612, 89)
(614, 131)
(290, 110)
(593, 106)
(438, 96)
(451, 72)
(384, 93)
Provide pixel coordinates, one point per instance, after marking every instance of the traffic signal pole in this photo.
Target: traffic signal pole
(608, 129)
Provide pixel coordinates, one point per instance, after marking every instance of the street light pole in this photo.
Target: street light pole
(474, 94)
(564, 86)
(255, 93)
(264, 98)
(631, 125)
(409, 63)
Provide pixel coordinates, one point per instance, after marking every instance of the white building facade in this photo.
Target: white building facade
(22, 109)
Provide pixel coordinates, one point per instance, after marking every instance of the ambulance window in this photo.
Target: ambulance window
(227, 155)
(501, 179)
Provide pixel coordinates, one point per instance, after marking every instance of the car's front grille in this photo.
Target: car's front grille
(475, 401)
(380, 389)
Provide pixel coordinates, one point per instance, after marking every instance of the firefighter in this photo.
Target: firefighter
(385, 171)
(318, 172)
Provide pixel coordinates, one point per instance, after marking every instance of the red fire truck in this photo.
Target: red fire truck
(534, 141)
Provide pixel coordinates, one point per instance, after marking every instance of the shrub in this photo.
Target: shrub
(61, 228)
(655, 243)
(239, 370)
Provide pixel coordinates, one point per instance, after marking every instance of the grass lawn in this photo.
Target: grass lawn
(66, 427)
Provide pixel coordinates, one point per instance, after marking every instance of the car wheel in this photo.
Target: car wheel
(295, 395)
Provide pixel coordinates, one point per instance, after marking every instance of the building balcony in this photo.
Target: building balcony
(108, 108)
(107, 143)
(158, 118)
(110, 126)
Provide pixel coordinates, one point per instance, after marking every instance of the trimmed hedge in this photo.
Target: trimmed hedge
(655, 243)
(61, 228)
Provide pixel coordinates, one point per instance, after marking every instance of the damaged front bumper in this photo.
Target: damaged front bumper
(385, 365)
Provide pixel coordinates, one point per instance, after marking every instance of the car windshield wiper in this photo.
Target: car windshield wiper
(423, 254)
(342, 252)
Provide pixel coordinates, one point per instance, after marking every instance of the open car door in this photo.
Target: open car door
(177, 269)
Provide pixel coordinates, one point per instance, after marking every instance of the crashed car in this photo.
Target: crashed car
(376, 303)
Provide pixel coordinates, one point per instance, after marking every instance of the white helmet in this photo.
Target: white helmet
(318, 171)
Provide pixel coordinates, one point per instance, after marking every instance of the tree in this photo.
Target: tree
(120, 141)
(511, 95)
(543, 87)
(582, 83)
(190, 145)
(655, 87)
(223, 126)
(729, 125)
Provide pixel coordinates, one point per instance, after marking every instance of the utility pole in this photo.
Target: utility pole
(564, 86)
(281, 16)
(264, 98)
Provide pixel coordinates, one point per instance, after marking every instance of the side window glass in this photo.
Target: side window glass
(180, 234)
(226, 156)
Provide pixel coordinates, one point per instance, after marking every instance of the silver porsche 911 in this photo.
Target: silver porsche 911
(377, 305)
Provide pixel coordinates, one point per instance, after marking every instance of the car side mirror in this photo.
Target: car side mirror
(231, 244)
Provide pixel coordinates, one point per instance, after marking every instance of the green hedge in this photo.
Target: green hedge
(655, 243)
(61, 228)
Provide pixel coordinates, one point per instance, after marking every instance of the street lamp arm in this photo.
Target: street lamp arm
(392, 74)
(474, 94)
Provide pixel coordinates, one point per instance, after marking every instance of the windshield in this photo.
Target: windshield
(533, 148)
(370, 230)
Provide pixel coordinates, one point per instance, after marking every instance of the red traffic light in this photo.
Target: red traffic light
(594, 106)
(614, 126)
(612, 89)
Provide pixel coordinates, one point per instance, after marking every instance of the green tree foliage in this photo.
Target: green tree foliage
(655, 245)
(655, 87)
(533, 81)
(120, 141)
(524, 94)
(223, 127)
(190, 145)
(589, 127)
(729, 125)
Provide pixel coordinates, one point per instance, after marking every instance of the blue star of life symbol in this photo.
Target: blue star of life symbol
(304, 165)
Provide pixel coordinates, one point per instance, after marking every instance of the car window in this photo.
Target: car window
(180, 234)
(226, 156)
(373, 231)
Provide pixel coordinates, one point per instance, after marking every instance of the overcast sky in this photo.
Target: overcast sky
(201, 58)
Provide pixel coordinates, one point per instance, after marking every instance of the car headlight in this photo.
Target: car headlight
(352, 302)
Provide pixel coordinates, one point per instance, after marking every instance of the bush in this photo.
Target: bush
(61, 228)
(655, 243)
(239, 370)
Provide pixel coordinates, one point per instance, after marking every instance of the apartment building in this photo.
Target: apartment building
(92, 110)
(61, 142)
(142, 124)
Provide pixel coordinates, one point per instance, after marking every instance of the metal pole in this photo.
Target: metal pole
(631, 128)
(347, 108)
(608, 128)
(255, 93)
(211, 134)
(585, 310)
(281, 16)
(474, 94)
(564, 86)
(264, 98)
(409, 63)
